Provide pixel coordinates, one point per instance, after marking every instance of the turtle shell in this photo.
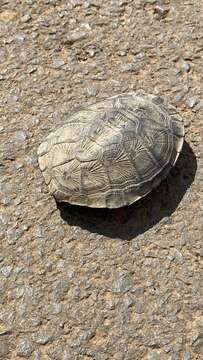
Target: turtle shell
(112, 153)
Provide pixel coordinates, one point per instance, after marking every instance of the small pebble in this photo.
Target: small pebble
(184, 66)
(20, 38)
(67, 356)
(91, 52)
(43, 337)
(30, 2)
(178, 256)
(58, 63)
(61, 287)
(75, 3)
(87, 335)
(197, 342)
(186, 356)
(24, 348)
(4, 349)
(154, 356)
(20, 135)
(199, 106)
(92, 90)
(129, 301)
(6, 270)
(26, 18)
(12, 236)
(76, 35)
(12, 99)
(34, 34)
(201, 252)
(31, 69)
(4, 328)
(201, 205)
(18, 165)
(36, 355)
(161, 11)
(129, 67)
(191, 102)
(178, 98)
(31, 160)
(121, 285)
(3, 219)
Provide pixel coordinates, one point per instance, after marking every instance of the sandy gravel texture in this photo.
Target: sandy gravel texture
(77, 283)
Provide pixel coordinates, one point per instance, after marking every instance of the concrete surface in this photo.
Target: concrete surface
(81, 284)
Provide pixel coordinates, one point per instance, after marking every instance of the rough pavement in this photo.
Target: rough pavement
(80, 284)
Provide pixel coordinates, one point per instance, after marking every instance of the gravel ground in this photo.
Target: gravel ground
(81, 284)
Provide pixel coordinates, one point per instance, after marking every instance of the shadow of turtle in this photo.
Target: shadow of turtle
(128, 222)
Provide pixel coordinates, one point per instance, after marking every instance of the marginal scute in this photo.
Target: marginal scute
(177, 129)
(47, 176)
(42, 149)
(114, 199)
(80, 199)
(112, 153)
(178, 144)
(52, 186)
(68, 176)
(131, 193)
(61, 196)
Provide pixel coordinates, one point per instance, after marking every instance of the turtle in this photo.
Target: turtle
(113, 152)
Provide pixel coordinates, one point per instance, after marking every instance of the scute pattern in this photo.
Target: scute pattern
(112, 153)
(93, 176)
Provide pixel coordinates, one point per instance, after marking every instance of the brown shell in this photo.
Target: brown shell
(112, 153)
